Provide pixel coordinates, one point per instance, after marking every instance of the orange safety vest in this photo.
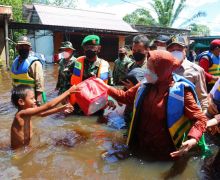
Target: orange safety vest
(78, 70)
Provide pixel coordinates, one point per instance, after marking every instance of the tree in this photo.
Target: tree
(167, 13)
(140, 17)
(199, 30)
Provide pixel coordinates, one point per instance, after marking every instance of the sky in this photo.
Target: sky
(123, 7)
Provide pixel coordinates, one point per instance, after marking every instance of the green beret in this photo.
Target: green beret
(91, 40)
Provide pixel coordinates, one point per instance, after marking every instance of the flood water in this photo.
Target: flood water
(47, 159)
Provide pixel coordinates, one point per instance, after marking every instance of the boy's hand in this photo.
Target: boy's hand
(74, 89)
(186, 146)
(68, 108)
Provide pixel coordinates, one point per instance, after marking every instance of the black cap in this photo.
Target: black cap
(162, 38)
(135, 75)
(180, 40)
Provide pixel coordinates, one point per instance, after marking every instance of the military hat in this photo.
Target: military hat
(23, 40)
(91, 40)
(66, 45)
(180, 40)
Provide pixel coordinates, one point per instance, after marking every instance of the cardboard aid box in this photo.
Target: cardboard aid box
(92, 96)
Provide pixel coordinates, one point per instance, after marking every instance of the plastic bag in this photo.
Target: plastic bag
(92, 97)
(115, 117)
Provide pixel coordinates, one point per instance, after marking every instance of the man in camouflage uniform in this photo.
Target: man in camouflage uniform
(66, 66)
(121, 66)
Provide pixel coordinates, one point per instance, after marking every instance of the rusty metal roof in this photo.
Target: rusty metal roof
(57, 16)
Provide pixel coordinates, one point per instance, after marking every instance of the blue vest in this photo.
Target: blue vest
(24, 66)
(177, 123)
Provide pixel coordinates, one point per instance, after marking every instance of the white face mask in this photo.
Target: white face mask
(150, 76)
(178, 55)
(161, 48)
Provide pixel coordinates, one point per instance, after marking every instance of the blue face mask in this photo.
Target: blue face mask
(150, 76)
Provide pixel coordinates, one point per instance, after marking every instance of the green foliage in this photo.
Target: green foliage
(167, 12)
(199, 30)
(140, 17)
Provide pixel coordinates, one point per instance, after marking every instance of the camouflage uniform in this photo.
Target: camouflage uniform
(91, 69)
(65, 72)
(120, 69)
(65, 68)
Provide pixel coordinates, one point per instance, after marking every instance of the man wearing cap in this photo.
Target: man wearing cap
(28, 69)
(210, 62)
(66, 66)
(177, 46)
(90, 64)
(121, 66)
(160, 42)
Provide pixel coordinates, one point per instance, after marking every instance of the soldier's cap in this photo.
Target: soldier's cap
(23, 40)
(180, 40)
(91, 40)
(215, 42)
(162, 38)
(67, 45)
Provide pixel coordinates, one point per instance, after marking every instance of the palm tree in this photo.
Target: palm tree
(166, 12)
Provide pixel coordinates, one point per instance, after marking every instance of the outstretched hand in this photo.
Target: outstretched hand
(68, 108)
(186, 146)
(74, 89)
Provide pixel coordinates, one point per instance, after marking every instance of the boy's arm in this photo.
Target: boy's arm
(49, 105)
(56, 109)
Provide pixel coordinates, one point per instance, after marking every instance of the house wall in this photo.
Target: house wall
(58, 38)
(2, 47)
(42, 42)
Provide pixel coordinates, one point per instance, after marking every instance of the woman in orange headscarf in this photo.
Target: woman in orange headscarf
(167, 121)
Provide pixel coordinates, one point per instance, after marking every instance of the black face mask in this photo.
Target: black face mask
(23, 53)
(138, 56)
(90, 54)
(121, 55)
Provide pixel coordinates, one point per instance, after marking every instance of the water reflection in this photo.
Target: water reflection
(70, 147)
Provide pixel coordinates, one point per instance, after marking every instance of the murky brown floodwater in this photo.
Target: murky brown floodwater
(47, 160)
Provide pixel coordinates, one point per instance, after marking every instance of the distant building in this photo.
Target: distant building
(5, 16)
(201, 43)
(48, 26)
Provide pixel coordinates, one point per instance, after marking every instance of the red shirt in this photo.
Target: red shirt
(204, 63)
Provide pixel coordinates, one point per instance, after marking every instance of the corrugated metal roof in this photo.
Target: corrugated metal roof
(50, 15)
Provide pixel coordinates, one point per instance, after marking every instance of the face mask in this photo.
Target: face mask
(121, 55)
(178, 55)
(150, 76)
(90, 54)
(161, 48)
(138, 56)
(23, 53)
(66, 55)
